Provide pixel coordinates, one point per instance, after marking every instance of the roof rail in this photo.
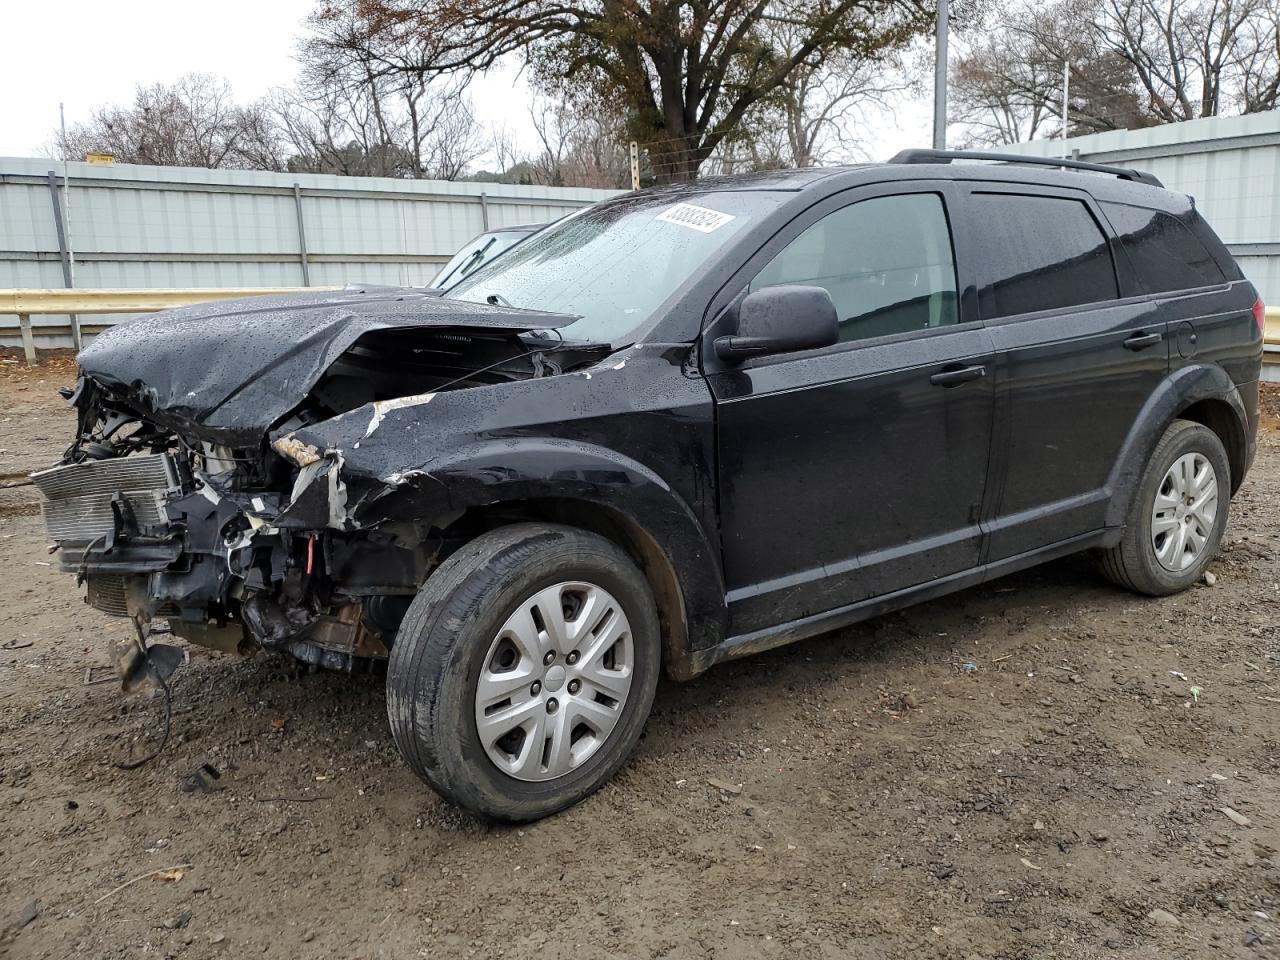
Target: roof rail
(946, 156)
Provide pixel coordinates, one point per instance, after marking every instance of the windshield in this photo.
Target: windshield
(477, 252)
(615, 263)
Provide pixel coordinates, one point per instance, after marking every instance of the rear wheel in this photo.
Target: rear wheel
(524, 670)
(1178, 515)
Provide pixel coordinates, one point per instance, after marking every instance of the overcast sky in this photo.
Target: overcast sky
(87, 52)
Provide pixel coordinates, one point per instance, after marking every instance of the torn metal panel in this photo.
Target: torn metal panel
(381, 407)
(590, 439)
(229, 370)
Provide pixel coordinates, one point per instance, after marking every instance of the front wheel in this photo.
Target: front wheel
(524, 670)
(1178, 514)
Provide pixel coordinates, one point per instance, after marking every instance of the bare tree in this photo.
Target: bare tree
(554, 125)
(582, 143)
(504, 148)
(1257, 87)
(193, 122)
(1132, 63)
(384, 72)
(815, 110)
(1189, 55)
(684, 72)
(377, 67)
(1002, 90)
(337, 131)
(448, 137)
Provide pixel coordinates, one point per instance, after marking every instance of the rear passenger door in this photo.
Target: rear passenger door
(1173, 266)
(1077, 356)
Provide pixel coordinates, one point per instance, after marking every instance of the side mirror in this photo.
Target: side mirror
(781, 319)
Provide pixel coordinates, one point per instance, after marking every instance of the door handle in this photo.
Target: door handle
(953, 378)
(1140, 341)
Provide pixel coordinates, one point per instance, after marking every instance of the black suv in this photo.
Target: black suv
(682, 425)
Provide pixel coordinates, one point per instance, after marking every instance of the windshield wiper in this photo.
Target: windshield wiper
(498, 300)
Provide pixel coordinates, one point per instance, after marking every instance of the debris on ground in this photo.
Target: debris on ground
(203, 779)
(724, 786)
(1237, 818)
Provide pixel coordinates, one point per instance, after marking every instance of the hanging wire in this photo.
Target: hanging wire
(140, 640)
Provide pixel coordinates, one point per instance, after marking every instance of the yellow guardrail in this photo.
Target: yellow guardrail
(28, 303)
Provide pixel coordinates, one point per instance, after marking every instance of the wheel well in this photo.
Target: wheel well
(1219, 417)
(619, 529)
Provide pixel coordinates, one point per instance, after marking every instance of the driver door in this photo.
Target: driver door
(859, 469)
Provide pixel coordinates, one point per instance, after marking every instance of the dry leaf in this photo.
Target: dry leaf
(172, 875)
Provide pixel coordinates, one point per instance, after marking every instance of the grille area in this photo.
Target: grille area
(77, 504)
(107, 592)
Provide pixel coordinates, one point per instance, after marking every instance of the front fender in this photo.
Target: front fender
(537, 469)
(1181, 388)
(632, 435)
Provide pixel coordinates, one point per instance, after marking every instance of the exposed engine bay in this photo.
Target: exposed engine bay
(186, 496)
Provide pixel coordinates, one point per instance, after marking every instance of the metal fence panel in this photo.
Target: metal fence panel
(139, 227)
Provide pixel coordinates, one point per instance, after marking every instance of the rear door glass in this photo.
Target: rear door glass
(1166, 255)
(1041, 253)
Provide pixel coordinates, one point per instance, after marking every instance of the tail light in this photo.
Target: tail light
(1260, 316)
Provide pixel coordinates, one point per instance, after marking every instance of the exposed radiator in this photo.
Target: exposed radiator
(77, 505)
(108, 593)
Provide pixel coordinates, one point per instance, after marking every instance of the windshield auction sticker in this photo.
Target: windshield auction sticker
(695, 217)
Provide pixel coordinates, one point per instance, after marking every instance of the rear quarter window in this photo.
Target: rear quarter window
(1165, 254)
(1041, 253)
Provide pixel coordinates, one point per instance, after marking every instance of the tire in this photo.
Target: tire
(472, 620)
(1135, 563)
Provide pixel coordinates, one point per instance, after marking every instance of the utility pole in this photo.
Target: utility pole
(940, 81)
(1066, 99)
(77, 340)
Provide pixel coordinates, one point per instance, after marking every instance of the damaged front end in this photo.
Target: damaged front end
(163, 528)
(174, 505)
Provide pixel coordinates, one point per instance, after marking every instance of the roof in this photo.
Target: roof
(921, 164)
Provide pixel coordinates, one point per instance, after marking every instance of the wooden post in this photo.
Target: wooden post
(28, 339)
(635, 165)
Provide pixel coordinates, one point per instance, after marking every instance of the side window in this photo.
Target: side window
(1166, 255)
(886, 262)
(1041, 253)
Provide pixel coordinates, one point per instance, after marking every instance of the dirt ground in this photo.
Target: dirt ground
(1018, 771)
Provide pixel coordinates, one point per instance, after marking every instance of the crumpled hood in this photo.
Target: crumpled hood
(232, 368)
